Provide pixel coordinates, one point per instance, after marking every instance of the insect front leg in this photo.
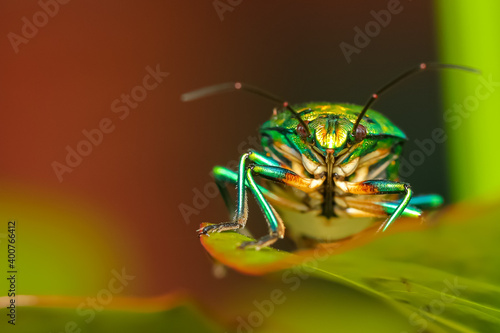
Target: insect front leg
(360, 207)
(282, 175)
(276, 226)
(428, 201)
(244, 179)
(240, 219)
(224, 176)
(380, 187)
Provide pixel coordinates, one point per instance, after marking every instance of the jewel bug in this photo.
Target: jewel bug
(327, 170)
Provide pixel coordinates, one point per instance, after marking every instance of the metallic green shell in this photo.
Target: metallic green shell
(376, 124)
(331, 125)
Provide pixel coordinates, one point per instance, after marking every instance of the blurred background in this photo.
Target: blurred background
(134, 197)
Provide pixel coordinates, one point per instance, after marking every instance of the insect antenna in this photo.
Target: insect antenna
(235, 86)
(420, 68)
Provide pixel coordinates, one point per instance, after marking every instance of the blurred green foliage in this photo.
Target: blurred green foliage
(443, 279)
(468, 35)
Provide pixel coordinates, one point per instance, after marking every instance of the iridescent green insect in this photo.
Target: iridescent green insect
(327, 170)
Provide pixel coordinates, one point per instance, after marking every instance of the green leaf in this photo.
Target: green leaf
(133, 315)
(445, 278)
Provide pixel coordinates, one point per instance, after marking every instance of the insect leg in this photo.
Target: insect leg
(240, 218)
(428, 201)
(262, 159)
(354, 207)
(276, 226)
(288, 177)
(224, 176)
(380, 187)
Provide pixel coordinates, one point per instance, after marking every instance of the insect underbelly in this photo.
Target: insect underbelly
(328, 188)
(319, 227)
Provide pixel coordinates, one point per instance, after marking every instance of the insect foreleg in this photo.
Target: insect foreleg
(288, 177)
(428, 201)
(360, 207)
(243, 178)
(276, 226)
(223, 176)
(380, 187)
(279, 174)
(241, 216)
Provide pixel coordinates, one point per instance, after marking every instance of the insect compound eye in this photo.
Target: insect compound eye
(301, 130)
(360, 133)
